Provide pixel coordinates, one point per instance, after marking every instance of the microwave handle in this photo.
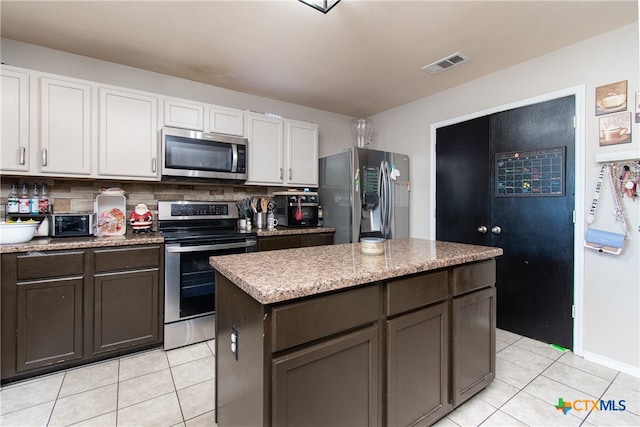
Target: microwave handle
(234, 164)
(178, 249)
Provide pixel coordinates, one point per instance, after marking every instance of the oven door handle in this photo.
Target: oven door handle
(180, 249)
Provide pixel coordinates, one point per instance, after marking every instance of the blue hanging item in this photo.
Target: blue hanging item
(604, 241)
(600, 240)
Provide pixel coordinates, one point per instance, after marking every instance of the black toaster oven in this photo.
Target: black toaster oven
(296, 209)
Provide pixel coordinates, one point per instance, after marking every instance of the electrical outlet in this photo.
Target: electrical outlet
(234, 341)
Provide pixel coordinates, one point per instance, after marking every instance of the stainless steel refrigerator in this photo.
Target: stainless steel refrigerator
(365, 193)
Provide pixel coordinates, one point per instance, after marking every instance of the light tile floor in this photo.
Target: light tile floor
(176, 388)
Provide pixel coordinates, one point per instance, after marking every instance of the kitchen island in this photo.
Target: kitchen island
(326, 335)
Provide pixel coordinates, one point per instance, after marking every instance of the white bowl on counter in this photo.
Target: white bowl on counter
(17, 232)
(372, 245)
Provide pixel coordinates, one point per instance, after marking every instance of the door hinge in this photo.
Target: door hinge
(573, 311)
(574, 216)
(575, 122)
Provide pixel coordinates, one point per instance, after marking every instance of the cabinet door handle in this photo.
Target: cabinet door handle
(290, 177)
(280, 174)
(23, 155)
(154, 162)
(482, 229)
(44, 157)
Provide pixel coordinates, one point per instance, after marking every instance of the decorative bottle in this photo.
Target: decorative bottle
(34, 205)
(44, 200)
(12, 200)
(24, 200)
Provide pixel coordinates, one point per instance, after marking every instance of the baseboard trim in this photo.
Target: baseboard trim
(612, 363)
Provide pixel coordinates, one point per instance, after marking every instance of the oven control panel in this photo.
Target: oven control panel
(194, 210)
(199, 210)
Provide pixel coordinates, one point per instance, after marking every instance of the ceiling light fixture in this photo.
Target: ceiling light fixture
(323, 6)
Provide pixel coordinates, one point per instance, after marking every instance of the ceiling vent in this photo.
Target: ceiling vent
(446, 63)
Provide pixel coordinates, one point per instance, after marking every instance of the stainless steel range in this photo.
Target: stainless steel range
(193, 232)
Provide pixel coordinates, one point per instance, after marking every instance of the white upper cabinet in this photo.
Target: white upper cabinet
(264, 154)
(226, 120)
(282, 152)
(65, 128)
(128, 135)
(301, 149)
(14, 152)
(184, 115)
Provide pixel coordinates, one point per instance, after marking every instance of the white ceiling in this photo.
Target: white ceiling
(361, 58)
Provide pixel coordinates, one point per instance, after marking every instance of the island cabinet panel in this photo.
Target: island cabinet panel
(417, 367)
(396, 352)
(298, 323)
(334, 382)
(473, 319)
(242, 377)
(416, 291)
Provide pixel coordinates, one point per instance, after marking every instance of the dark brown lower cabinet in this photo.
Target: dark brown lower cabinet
(417, 367)
(49, 323)
(64, 308)
(126, 310)
(270, 243)
(473, 343)
(399, 352)
(343, 373)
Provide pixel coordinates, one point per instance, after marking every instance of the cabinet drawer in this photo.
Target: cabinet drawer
(473, 276)
(316, 239)
(272, 243)
(43, 265)
(414, 292)
(301, 322)
(127, 258)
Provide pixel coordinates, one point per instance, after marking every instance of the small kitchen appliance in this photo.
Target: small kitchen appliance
(296, 208)
(71, 225)
(193, 232)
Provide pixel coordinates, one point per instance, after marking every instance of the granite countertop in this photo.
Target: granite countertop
(52, 243)
(283, 231)
(277, 276)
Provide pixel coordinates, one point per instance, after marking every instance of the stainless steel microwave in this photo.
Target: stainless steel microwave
(201, 155)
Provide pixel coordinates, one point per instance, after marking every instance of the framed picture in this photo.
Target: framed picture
(611, 98)
(615, 129)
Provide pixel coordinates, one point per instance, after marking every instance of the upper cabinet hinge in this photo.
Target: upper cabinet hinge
(575, 122)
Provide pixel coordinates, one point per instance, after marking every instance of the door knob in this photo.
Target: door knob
(496, 230)
(482, 229)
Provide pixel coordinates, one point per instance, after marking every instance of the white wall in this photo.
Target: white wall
(611, 297)
(333, 128)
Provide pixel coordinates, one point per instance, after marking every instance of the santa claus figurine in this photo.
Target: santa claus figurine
(141, 219)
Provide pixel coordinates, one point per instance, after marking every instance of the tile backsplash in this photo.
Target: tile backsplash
(77, 196)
